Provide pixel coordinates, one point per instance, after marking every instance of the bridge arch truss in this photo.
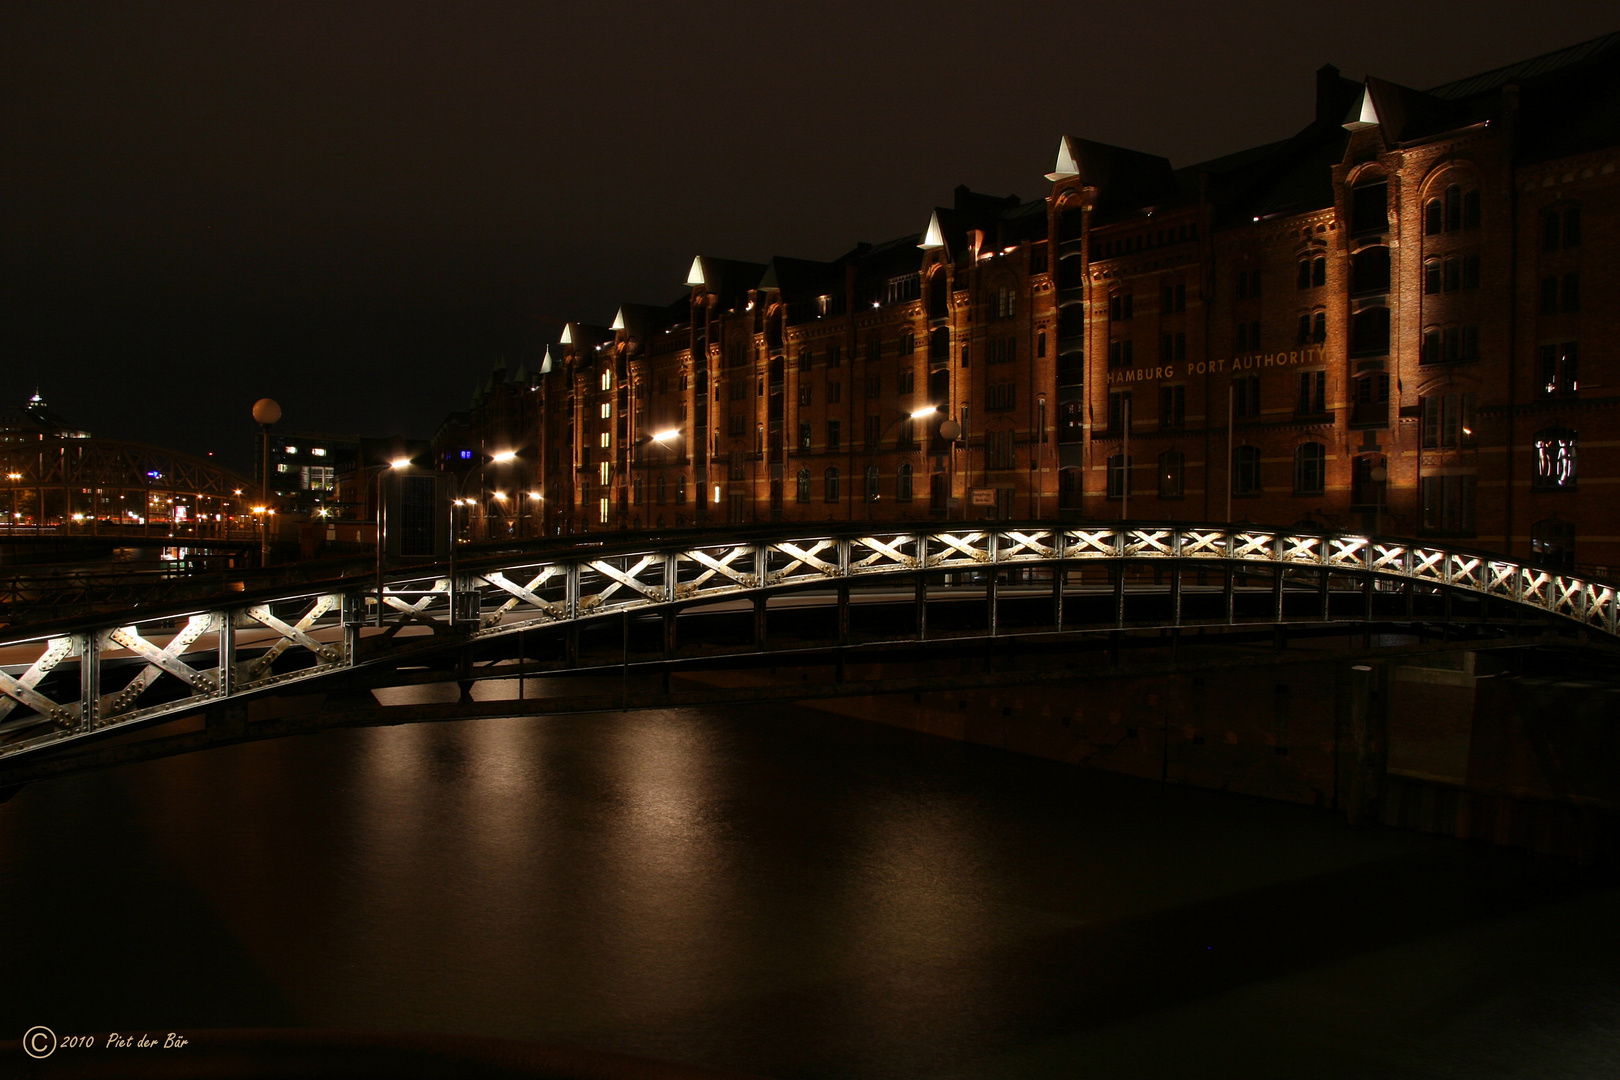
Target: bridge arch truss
(92, 679)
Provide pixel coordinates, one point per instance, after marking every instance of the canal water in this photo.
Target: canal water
(785, 893)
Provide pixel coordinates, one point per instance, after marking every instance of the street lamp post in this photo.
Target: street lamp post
(871, 457)
(461, 490)
(382, 516)
(266, 412)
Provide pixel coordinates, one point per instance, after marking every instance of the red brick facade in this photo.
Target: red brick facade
(1400, 319)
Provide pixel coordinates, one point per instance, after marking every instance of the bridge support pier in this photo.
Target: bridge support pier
(1368, 722)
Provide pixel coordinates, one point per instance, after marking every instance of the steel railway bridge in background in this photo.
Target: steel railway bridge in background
(637, 612)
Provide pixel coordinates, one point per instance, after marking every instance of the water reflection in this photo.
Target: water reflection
(788, 894)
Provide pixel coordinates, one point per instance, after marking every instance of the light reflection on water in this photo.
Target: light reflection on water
(790, 894)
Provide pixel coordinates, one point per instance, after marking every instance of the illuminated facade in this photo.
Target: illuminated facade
(1398, 319)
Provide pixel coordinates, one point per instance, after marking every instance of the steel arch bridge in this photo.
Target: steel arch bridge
(76, 683)
(110, 487)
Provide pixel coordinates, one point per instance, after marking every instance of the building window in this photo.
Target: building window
(1448, 421)
(1248, 336)
(607, 379)
(1559, 295)
(1369, 332)
(1369, 271)
(802, 494)
(907, 382)
(1069, 490)
(1119, 409)
(1000, 397)
(908, 343)
(1040, 344)
(835, 393)
(998, 449)
(833, 436)
(804, 435)
(1005, 303)
(1172, 474)
(903, 485)
(1246, 397)
(1371, 399)
(874, 431)
(680, 490)
(805, 359)
(1172, 347)
(1313, 272)
(1172, 406)
(1561, 228)
(1312, 393)
(1369, 207)
(660, 488)
(835, 355)
(806, 394)
(1248, 285)
(829, 485)
(1120, 307)
(1119, 476)
(1557, 367)
(1121, 354)
(1245, 470)
(871, 483)
(1448, 503)
(1552, 544)
(1310, 469)
(1555, 459)
(1071, 420)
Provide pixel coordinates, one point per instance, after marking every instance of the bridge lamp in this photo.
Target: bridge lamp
(503, 457)
(499, 495)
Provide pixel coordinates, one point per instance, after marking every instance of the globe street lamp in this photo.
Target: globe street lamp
(266, 412)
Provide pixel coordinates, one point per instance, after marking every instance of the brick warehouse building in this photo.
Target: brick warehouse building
(1398, 320)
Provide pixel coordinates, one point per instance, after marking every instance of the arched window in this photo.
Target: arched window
(803, 494)
(829, 482)
(871, 492)
(680, 490)
(1369, 332)
(1172, 474)
(661, 488)
(1453, 208)
(640, 490)
(1069, 489)
(1245, 470)
(1369, 270)
(1119, 476)
(1310, 469)
(1433, 220)
(939, 345)
(1319, 327)
(1555, 459)
(902, 483)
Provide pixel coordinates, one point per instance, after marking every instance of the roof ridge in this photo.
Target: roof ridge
(1535, 65)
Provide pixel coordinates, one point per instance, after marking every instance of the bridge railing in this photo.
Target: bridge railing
(116, 672)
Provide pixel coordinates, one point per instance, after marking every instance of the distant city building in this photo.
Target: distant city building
(33, 421)
(304, 467)
(1398, 319)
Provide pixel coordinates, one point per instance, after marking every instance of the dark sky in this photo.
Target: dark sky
(357, 208)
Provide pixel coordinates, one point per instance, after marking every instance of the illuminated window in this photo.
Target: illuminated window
(1555, 459)
(604, 469)
(606, 439)
(602, 512)
(607, 410)
(607, 380)
(319, 451)
(292, 449)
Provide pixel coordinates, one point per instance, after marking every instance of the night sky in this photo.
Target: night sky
(356, 209)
